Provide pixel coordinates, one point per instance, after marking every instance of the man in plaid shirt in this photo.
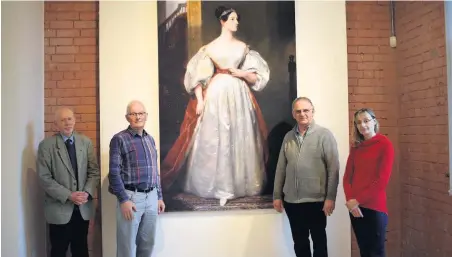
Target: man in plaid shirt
(135, 181)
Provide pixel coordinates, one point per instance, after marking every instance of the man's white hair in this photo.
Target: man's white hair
(132, 103)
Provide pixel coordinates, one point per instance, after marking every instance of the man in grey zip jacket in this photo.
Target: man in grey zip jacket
(306, 180)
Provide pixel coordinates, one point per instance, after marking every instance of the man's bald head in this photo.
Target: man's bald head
(64, 121)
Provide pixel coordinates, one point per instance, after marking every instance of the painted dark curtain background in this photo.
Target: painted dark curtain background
(267, 27)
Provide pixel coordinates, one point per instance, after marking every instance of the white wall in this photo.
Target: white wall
(128, 70)
(22, 44)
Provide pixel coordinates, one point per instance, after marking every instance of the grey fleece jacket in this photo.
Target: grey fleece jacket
(308, 167)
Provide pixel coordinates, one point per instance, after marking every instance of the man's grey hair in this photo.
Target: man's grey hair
(302, 98)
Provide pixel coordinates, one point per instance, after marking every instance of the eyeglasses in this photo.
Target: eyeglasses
(364, 121)
(137, 114)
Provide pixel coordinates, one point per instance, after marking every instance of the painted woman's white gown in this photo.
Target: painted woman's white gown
(226, 158)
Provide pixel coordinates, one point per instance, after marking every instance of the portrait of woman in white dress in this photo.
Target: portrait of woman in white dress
(222, 142)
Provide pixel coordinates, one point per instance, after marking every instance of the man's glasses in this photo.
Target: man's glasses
(137, 114)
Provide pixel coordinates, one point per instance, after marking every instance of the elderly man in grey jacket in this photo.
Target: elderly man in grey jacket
(306, 180)
(69, 174)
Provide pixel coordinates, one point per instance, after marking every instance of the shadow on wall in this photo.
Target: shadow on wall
(275, 140)
(108, 220)
(32, 200)
(95, 233)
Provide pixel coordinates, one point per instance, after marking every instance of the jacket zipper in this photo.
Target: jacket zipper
(296, 165)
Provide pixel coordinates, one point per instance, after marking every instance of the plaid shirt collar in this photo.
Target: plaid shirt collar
(135, 133)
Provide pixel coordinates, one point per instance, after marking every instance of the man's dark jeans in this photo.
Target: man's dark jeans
(305, 218)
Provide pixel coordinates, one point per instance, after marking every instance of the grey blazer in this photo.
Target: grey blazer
(57, 177)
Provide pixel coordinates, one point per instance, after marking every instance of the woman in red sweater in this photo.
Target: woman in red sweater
(367, 173)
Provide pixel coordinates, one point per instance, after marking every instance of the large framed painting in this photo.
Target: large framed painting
(226, 83)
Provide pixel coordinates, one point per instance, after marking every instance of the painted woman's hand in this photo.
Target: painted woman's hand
(237, 73)
(199, 107)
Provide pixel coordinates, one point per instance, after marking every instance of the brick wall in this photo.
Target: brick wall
(427, 208)
(373, 83)
(71, 62)
(71, 74)
(407, 88)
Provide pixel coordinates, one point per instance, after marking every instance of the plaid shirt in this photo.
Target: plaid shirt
(133, 161)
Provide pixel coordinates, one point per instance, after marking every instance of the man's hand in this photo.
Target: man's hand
(328, 207)
(278, 205)
(161, 206)
(85, 195)
(78, 197)
(127, 209)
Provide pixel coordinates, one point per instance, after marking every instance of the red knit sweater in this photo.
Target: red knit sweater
(367, 173)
